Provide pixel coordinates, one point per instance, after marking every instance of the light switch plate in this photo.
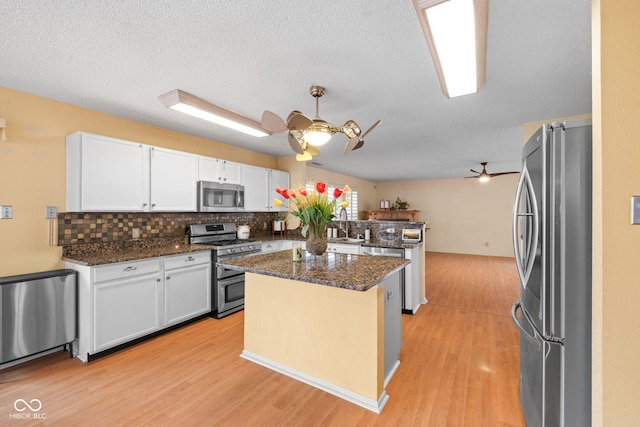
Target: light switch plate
(51, 212)
(635, 209)
(6, 212)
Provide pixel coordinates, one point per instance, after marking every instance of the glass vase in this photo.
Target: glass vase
(316, 242)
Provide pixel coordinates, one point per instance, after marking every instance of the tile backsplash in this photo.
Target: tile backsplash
(95, 227)
(76, 228)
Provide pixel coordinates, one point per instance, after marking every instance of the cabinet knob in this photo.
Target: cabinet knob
(153, 205)
(168, 277)
(158, 279)
(144, 205)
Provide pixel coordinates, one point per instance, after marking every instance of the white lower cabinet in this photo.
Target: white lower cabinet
(187, 287)
(412, 278)
(343, 249)
(120, 302)
(125, 310)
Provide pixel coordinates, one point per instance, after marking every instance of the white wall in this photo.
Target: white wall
(463, 214)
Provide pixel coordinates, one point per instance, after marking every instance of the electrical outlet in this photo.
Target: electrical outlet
(51, 212)
(135, 233)
(391, 230)
(6, 212)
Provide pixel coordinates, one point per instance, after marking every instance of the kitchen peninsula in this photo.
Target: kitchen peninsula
(333, 321)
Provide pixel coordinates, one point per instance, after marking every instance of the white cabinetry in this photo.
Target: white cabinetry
(412, 278)
(218, 170)
(343, 249)
(106, 174)
(187, 286)
(259, 188)
(124, 301)
(173, 180)
(126, 309)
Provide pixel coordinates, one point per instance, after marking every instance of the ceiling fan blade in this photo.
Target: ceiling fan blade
(304, 157)
(501, 173)
(312, 149)
(472, 177)
(350, 145)
(369, 130)
(474, 171)
(298, 121)
(272, 122)
(359, 144)
(294, 144)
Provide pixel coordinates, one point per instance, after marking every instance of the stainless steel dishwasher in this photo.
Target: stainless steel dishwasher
(37, 313)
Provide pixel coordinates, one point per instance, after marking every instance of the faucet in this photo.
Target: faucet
(346, 222)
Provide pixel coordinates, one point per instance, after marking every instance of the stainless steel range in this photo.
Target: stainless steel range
(228, 285)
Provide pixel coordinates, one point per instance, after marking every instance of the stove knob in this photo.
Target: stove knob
(233, 250)
(228, 251)
(241, 248)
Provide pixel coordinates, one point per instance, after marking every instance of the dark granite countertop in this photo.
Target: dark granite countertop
(374, 243)
(112, 252)
(348, 271)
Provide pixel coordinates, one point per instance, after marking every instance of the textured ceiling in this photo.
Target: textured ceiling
(117, 57)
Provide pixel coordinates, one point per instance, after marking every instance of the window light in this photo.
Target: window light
(456, 32)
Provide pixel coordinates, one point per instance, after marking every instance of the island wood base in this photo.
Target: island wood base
(328, 337)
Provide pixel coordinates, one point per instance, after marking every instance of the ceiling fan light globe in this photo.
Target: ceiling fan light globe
(484, 178)
(317, 135)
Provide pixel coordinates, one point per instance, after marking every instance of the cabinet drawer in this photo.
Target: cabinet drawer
(187, 260)
(126, 269)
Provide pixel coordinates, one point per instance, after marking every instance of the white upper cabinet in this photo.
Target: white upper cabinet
(255, 190)
(174, 175)
(218, 170)
(106, 174)
(259, 188)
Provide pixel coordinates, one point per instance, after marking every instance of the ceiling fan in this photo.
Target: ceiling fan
(305, 134)
(484, 176)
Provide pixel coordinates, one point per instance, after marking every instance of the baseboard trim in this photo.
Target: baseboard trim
(372, 405)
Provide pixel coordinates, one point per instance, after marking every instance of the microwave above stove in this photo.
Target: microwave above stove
(217, 197)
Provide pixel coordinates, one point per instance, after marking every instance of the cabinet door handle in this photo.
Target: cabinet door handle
(190, 259)
(144, 205)
(153, 205)
(158, 279)
(130, 268)
(168, 277)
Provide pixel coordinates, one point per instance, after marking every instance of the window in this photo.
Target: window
(352, 209)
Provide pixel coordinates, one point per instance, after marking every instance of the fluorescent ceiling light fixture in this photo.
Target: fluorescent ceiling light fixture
(456, 32)
(194, 106)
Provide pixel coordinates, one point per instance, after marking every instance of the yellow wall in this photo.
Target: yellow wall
(616, 270)
(462, 213)
(32, 168)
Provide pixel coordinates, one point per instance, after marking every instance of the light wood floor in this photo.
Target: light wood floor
(459, 367)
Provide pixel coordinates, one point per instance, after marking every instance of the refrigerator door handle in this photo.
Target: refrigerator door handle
(525, 270)
(521, 328)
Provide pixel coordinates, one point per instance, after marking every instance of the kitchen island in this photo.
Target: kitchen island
(333, 322)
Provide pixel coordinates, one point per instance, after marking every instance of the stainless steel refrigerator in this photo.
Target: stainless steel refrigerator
(552, 245)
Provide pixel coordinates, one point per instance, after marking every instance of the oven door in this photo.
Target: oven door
(229, 295)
